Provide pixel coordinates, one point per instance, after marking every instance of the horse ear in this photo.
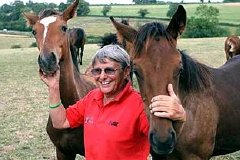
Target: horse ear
(178, 22)
(70, 11)
(31, 18)
(124, 31)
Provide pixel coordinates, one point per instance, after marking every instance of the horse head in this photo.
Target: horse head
(50, 31)
(156, 63)
(232, 46)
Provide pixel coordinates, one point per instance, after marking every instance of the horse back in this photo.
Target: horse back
(226, 87)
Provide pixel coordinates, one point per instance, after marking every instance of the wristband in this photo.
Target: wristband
(55, 105)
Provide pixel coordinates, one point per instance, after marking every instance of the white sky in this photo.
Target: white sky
(96, 1)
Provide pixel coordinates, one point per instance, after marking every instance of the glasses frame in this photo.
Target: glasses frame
(110, 71)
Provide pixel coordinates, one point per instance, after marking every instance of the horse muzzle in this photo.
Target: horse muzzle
(48, 63)
(163, 146)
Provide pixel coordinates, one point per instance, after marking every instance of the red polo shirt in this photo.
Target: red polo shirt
(115, 131)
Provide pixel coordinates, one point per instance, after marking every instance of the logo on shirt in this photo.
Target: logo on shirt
(88, 120)
(113, 123)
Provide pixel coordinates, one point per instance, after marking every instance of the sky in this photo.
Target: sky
(95, 1)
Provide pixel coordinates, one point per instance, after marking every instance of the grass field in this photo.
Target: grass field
(23, 97)
(229, 12)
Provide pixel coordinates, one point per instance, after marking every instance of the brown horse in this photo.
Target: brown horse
(210, 96)
(232, 46)
(77, 39)
(50, 31)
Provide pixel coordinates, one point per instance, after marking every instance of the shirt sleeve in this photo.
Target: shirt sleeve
(75, 113)
(144, 125)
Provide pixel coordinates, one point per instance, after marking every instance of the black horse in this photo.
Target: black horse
(77, 40)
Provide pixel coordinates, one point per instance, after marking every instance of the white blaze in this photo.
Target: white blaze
(46, 21)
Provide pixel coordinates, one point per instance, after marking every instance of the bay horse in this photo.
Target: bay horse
(50, 32)
(77, 38)
(209, 95)
(232, 46)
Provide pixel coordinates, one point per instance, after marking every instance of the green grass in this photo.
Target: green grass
(24, 99)
(228, 12)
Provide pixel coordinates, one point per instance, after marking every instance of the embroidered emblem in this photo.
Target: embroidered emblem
(113, 123)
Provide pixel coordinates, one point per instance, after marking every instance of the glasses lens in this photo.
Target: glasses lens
(110, 71)
(96, 71)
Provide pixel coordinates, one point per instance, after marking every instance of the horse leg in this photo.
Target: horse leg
(62, 156)
(74, 56)
(81, 54)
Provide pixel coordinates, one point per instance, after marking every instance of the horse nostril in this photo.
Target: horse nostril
(163, 144)
(48, 62)
(153, 138)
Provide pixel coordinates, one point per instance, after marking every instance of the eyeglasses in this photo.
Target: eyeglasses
(109, 71)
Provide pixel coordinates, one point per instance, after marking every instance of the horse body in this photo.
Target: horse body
(226, 87)
(77, 40)
(50, 31)
(210, 96)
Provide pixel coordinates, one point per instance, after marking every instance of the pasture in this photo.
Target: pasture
(228, 11)
(24, 99)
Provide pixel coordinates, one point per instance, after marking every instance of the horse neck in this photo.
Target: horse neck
(72, 84)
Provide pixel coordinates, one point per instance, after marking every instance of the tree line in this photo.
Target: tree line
(204, 23)
(11, 15)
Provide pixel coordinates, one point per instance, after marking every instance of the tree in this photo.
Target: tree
(143, 12)
(145, 1)
(227, 1)
(83, 8)
(106, 9)
(172, 9)
(204, 23)
(62, 6)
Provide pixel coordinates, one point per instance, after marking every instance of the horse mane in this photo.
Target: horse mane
(154, 30)
(195, 76)
(47, 12)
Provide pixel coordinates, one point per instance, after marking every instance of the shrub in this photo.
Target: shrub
(106, 9)
(205, 23)
(238, 31)
(143, 12)
(34, 44)
(16, 46)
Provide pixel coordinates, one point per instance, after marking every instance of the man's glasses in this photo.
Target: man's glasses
(109, 71)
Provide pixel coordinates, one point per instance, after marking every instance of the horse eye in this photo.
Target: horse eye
(34, 32)
(64, 28)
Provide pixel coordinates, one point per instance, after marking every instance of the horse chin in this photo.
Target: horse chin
(48, 71)
(162, 148)
(162, 151)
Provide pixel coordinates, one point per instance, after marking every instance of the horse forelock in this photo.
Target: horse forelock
(48, 12)
(153, 30)
(195, 76)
